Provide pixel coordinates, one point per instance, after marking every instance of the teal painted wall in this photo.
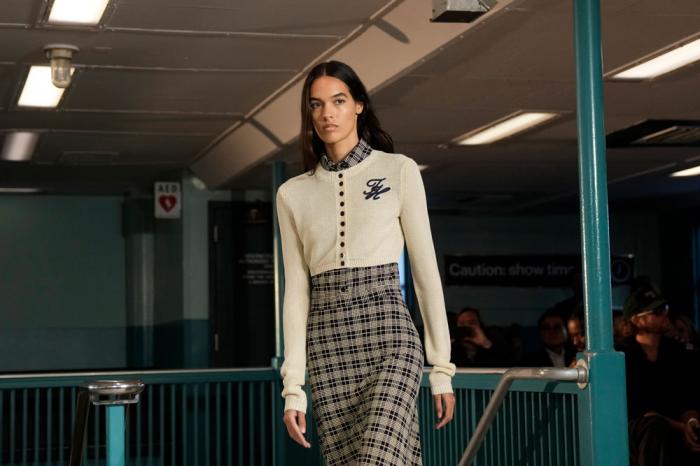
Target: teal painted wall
(62, 275)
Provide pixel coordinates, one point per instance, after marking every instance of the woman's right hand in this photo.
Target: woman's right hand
(296, 426)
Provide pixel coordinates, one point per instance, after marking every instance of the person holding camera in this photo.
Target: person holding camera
(475, 346)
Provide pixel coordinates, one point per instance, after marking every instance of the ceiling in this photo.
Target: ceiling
(212, 85)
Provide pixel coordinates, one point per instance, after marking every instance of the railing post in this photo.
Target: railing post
(602, 405)
(116, 446)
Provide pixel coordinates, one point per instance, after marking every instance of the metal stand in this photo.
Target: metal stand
(114, 395)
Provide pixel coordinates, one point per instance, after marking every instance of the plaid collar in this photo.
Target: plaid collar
(355, 156)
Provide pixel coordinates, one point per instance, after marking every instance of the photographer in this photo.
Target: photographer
(475, 346)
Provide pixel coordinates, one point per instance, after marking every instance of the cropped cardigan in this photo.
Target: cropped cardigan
(357, 217)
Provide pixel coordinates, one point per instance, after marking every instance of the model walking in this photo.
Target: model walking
(343, 224)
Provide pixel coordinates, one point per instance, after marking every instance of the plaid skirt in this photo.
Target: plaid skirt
(365, 363)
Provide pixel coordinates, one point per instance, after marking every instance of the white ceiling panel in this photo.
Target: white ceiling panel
(228, 92)
(130, 148)
(115, 121)
(259, 16)
(19, 12)
(146, 50)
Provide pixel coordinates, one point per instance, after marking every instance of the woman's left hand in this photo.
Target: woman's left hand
(446, 412)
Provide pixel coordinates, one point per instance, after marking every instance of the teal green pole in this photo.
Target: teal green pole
(115, 436)
(602, 404)
(279, 431)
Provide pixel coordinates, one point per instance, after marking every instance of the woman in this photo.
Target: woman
(343, 223)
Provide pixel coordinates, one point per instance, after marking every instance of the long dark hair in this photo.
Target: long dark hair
(368, 127)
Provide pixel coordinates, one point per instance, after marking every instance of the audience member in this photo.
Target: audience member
(477, 346)
(683, 332)
(577, 331)
(621, 328)
(553, 334)
(662, 402)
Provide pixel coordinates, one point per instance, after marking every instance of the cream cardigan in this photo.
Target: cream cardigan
(357, 217)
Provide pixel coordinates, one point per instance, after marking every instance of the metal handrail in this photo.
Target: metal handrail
(577, 374)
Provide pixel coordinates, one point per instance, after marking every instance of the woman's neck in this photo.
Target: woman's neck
(338, 151)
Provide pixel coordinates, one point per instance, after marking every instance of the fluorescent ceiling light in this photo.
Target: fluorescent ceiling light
(687, 172)
(504, 128)
(19, 146)
(38, 89)
(87, 12)
(662, 64)
(19, 190)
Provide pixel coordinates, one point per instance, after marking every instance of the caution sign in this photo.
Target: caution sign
(527, 270)
(168, 202)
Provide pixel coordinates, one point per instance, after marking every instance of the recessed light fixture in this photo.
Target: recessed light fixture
(662, 64)
(86, 12)
(503, 128)
(687, 172)
(19, 146)
(38, 90)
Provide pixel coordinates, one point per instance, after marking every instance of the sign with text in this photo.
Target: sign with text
(526, 270)
(168, 202)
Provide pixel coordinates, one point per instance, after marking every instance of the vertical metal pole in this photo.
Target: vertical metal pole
(115, 435)
(602, 405)
(279, 438)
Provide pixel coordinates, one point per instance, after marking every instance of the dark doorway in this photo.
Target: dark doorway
(241, 284)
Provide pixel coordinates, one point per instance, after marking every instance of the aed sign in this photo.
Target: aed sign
(168, 201)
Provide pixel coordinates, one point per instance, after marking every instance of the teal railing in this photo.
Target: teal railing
(233, 417)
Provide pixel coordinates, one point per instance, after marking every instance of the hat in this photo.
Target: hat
(641, 300)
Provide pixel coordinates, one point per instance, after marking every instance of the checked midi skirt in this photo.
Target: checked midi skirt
(365, 362)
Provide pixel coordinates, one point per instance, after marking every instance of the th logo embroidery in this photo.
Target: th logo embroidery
(376, 188)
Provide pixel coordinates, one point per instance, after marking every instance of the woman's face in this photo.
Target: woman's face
(334, 111)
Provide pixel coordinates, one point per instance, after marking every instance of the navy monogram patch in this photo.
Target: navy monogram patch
(376, 188)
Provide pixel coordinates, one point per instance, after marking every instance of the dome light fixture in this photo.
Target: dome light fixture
(60, 56)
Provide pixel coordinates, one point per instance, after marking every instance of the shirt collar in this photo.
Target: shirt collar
(355, 156)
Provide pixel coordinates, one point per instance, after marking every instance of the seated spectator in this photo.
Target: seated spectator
(683, 332)
(577, 331)
(662, 402)
(621, 328)
(476, 346)
(556, 353)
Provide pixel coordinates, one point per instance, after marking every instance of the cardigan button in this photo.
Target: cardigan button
(342, 203)
(342, 255)
(342, 212)
(342, 193)
(342, 224)
(340, 175)
(342, 244)
(342, 233)
(340, 184)
(342, 263)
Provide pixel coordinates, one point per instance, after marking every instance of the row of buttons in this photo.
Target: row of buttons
(342, 222)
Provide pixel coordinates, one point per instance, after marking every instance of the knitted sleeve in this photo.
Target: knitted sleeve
(421, 252)
(295, 309)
